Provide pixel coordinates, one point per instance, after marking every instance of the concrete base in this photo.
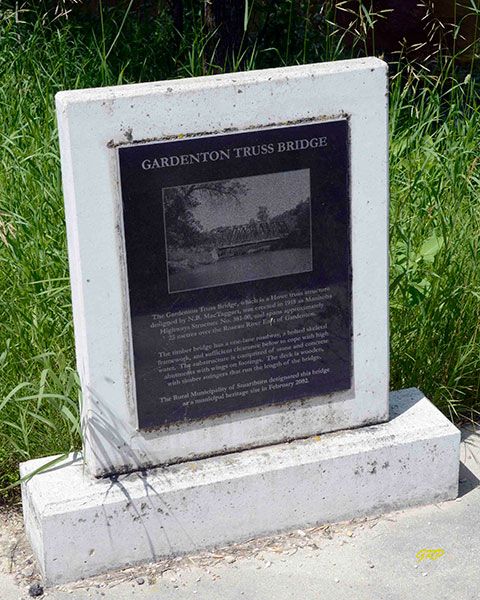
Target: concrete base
(79, 526)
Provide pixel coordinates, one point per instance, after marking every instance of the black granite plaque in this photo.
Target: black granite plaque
(238, 258)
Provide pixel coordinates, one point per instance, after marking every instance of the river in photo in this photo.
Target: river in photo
(248, 267)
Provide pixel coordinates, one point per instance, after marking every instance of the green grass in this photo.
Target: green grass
(435, 226)
(435, 208)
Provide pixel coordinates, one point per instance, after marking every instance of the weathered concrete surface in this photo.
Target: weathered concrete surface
(344, 552)
(79, 526)
(92, 123)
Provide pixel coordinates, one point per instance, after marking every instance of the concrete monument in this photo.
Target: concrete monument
(228, 245)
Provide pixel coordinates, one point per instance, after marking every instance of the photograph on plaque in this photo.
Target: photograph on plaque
(265, 219)
(238, 269)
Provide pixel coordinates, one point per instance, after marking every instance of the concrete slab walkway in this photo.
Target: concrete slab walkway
(367, 559)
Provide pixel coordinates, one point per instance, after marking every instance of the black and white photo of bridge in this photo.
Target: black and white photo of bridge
(237, 230)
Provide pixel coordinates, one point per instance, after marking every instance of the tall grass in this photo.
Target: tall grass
(435, 214)
(435, 225)
(38, 391)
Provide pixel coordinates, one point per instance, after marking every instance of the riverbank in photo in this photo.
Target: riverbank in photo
(248, 267)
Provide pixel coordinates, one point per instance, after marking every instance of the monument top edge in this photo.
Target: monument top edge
(172, 86)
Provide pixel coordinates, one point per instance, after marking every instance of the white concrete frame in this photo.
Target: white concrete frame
(92, 124)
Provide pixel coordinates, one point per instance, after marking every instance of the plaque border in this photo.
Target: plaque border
(345, 185)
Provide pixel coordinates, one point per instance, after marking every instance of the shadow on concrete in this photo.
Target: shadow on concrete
(469, 460)
(402, 401)
(467, 481)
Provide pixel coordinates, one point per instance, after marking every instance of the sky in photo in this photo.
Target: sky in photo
(277, 191)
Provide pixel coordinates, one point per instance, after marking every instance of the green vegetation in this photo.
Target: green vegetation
(434, 249)
(435, 211)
